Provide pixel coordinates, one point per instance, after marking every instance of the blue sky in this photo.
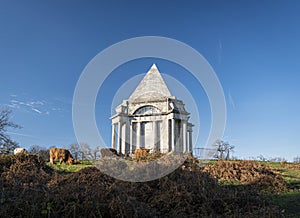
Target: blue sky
(253, 46)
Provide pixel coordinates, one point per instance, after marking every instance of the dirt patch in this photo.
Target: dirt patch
(247, 172)
(292, 166)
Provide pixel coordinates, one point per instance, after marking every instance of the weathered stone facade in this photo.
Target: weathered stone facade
(151, 118)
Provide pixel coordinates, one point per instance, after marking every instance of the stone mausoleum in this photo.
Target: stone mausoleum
(151, 118)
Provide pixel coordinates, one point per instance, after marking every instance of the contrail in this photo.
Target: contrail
(20, 134)
(231, 100)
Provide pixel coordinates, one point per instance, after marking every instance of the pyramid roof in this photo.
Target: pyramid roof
(151, 88)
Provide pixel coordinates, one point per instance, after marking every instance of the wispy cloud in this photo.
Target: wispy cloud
(37, 106)
(220, 51)
(14, 104)
(230, 99)
(36, 110)
(28, 104)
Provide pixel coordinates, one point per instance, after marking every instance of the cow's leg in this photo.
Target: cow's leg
(60, 160)
(51, 160)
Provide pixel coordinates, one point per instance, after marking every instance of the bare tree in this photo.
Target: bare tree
(224, 149)
(96, 153)
(277, 159)
(82, 151)
(229, 150)
(35, 149)
(220, 150)
(297, 159)
(75, 150)
(7, 145)
(261, 158)
(86, 151)
(43, 152)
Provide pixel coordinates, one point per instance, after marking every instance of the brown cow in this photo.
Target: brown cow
(61, 154)
(141, 152)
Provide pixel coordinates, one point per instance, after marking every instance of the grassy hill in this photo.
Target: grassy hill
(287, 199)
(31, 188)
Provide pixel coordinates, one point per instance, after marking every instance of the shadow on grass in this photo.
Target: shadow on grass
(288, 202)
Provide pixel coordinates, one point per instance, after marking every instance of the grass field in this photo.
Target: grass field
(67, 168)
(288, 201)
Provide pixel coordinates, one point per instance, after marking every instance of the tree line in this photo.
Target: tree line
(84, 151)
(80, 151)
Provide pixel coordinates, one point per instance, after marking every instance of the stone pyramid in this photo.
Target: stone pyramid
(151, 88)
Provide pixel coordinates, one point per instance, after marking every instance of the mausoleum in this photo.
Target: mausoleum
(151, 118)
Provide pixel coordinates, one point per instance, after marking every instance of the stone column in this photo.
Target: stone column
(190, 142)
(173, 134)
(113, 136)
(138, 135)
(184, 136)
(124, 138)
(155, 135)
(131, 138)
(119, 137)
(167, 126)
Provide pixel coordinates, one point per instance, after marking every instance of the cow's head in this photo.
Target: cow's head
(70, 160)
(147, 150)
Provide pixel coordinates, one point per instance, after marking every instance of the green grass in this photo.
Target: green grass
(67, 168)
(289, 201)
(292, 177)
